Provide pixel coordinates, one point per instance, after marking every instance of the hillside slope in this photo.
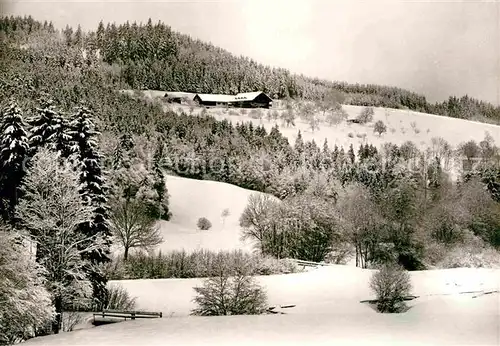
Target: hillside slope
(328, 309)
(399, 128)
(402, 125)
(191, 199)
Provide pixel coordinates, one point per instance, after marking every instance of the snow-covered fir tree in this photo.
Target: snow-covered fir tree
(14, 148)
(93, 190)
(160, 210)
(50, 127)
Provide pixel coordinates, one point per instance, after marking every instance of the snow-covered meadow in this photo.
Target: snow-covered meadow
(452, 309)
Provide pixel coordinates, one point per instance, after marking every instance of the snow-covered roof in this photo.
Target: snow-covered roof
(230, 98)
(217, 98)
(248, 96)
(179, 94)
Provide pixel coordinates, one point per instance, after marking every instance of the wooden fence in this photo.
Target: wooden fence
(310, 264)
(105, 315)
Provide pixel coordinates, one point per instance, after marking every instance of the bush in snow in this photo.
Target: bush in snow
(70, 319)
(366, 115)
(380, 127)
(272, 266)
(25, 302)
(204, 224)
(467, 257)
(198, 264)
(472, 252)
(119, 299)
(224, 295)
(391, 284)
(256, 114)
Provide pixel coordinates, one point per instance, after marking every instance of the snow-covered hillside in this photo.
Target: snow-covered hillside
(402, 125)
(191, 199)
(328, 310)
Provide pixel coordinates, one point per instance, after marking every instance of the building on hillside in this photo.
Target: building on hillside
(179, 97)
(353, 121)
(256, 99)
(213, 100)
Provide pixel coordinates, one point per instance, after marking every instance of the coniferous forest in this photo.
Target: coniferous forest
(83, 165)
(152, 56)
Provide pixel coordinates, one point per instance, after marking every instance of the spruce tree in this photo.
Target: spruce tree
(160, 209)
(350, 153)
(61, 139)
(50, 127)
(299, 143)
(335, 153)
(362, 152)
(299, 148)
(94, 190)
(14, 149)
(326, 156)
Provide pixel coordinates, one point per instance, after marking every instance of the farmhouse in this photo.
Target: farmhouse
(179, 97)
(256, 99)
(214, 99)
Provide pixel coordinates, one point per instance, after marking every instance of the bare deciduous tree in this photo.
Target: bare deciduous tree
(332, 100)
(366, 115)
(132, 226)
(380, 127)
(224, 295)
(362, 222)
(224, 215)
(440, 150)
(336, 116)
(470, 150)
(288, 115)
(255, 219)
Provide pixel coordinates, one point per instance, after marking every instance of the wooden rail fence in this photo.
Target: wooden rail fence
(310, 264)
(105, 314)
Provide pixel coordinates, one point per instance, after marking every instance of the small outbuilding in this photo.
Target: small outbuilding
(179, 97)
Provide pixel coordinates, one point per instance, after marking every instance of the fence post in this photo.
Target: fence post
(133, 315)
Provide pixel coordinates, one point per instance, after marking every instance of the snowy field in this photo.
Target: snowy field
(328, 309)
(191, 199)
(402, 125)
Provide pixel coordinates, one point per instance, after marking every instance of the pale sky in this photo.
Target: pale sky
(433, 48)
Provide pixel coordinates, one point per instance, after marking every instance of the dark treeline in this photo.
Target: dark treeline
(153, 56)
